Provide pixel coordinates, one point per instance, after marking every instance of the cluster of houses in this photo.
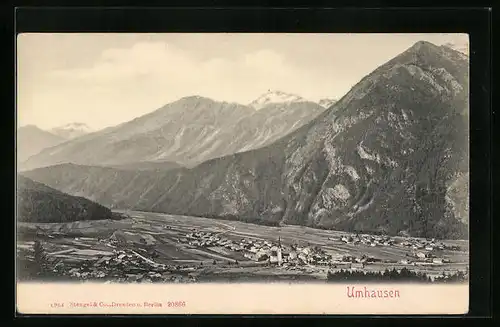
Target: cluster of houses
(423, 251)
(428, 245)
(413, 243)
(260, 250)
(122, 266)
(286, 255)
(207, 239)
(366, 239)
(422, 258)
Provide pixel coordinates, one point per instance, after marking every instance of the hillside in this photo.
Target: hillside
(189, 131)
(390, 156)
(37, 202)
(30, 140)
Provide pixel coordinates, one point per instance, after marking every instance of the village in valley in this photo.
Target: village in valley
(420, 251)
(150, 247)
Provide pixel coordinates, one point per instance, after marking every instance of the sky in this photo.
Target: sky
(107, 78)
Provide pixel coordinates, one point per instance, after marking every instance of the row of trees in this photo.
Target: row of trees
(404, 274)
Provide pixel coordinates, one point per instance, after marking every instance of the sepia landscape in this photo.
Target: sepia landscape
(372, 184)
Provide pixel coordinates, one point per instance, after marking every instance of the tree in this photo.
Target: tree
(40, 256)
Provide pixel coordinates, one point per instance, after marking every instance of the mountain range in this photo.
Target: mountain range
(187, 132)
(390, 156)
(31, 139)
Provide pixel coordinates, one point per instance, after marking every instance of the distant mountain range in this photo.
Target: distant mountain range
(37, 202)
(188, 131)
(30, 140)
(71, 130)
(390, 156)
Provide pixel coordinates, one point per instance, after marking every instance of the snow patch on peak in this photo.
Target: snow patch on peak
(327, 102)
(72, 130)
(271, 97)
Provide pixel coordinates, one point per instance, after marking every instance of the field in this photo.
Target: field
(160, 247)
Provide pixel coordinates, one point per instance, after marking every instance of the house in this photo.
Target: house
(420, 255)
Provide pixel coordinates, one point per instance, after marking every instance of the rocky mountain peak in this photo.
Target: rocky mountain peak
(72, 130)
(275, 96)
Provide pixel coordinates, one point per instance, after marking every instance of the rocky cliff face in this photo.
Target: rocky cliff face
(390, 156)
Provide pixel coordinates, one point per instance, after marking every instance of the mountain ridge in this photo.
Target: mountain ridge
(188, 131)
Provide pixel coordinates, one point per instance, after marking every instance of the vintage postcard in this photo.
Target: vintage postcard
(242, 173)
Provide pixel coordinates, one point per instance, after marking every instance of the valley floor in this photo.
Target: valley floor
(152, 247)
